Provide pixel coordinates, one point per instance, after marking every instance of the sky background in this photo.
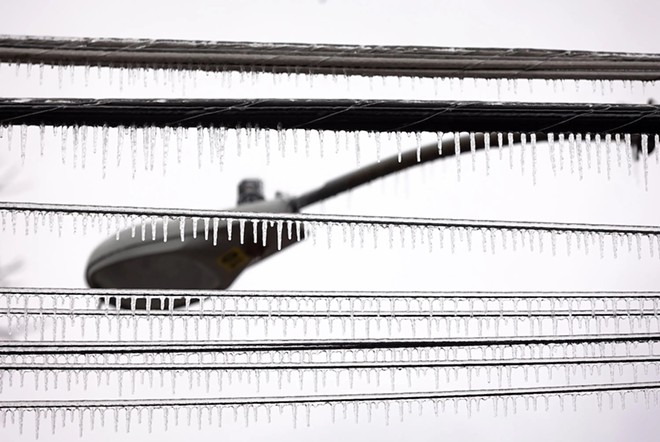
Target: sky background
(430, 191)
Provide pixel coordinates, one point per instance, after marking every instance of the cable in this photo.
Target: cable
(322, 399)
(331, 59)
(335, 115)
(323, 314)
(35, 210)
(328, 365)
(334, 294)
(123, 347)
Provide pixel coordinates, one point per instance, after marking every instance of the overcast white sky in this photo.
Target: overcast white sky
(430, 191)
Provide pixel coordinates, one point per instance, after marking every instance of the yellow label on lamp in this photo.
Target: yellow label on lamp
(232, 259)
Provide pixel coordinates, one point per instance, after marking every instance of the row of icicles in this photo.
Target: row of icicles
(576, 152)
(362, 231)
(125, 379)
(218, 415)
(218, 316)
(157, 327)
(560, 348)
(331, 303)
(185, 77)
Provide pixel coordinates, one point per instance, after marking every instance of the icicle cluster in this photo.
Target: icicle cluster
(184, 77)
(355, 230)
(195, 316)
(142, 145)
(218, 413)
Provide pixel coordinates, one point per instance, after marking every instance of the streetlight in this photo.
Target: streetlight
(132, 263)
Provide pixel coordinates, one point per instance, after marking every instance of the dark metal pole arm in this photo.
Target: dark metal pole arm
(395, 163)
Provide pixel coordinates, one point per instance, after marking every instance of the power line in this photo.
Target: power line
(328, 365)
(351, 115)
(124, 347)
(372, 397)
(417, 61)
(28, 210)
(486, 294)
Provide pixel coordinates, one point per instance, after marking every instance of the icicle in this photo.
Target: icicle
(608, 158)
(182, 228)
(178, 132)
(533, 141)
(166, 220)
(216, 221)
(241, 230)
(279, 223)
(104, 149)
(509, 137)
(523, 151)
(120, 143)
(629, 149)
(599, 145)
(561, 142)
(473, 150)
(487, 150)
(264, 232)
(588, 145)
(618, 147)
(207, 222)
(64, 133)
(200, 145)
(24, 129)
(572, 148)
(457, 154)
(551, 146)
(83, 146)
(645, 159)
(42, 139)
(579, 144)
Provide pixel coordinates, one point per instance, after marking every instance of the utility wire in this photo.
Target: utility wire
(324, 114)
(377, 294)
(321, 314)
(321, 399)
(419, 61)
(11, 209)
(334, 365)
(124, 347)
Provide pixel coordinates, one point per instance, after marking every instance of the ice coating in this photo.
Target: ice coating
(211, 143)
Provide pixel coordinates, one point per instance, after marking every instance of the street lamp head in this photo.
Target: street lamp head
(193, 264)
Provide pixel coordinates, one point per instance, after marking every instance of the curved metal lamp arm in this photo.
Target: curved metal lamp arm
(431, 152)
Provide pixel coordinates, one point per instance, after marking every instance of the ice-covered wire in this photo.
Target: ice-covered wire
(322, 399)
(328, 314)
(347, 115)
(327, 365)
(11, 209)
(124, 347)
(53, 309)
(372, 294)
(420, 61)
